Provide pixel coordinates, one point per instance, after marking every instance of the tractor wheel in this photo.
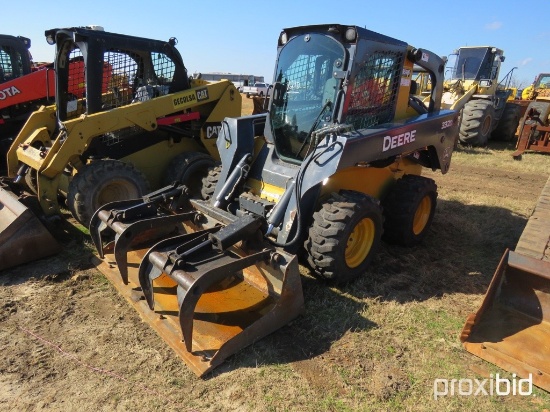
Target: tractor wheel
(101, 182)
(189, 168)
(477, 123)
(345, 236)
(409, 209)
(210, 181)
(508, 123)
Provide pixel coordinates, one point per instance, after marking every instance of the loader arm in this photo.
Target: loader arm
(51, 157)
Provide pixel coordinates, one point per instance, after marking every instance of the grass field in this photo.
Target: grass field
(68, 341)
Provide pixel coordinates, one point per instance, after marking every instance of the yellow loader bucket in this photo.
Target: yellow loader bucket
(511, 328)
(23, 238)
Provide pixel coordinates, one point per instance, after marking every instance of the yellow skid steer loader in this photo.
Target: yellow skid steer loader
(136, 121)
(331, 169)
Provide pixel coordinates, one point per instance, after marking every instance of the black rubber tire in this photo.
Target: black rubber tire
(409, 195)
(189, 168)
(477, 123)
(210, 181)
(508, 123)
(332, 235)
(543, 108)
(101, 182)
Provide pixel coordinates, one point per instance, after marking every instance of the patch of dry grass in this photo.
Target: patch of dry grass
(375, 344)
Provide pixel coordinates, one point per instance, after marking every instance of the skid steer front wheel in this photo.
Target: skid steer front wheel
(344, 236)
(409, 209)
(101, 182)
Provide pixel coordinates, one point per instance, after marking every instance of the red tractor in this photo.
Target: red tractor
(24, 87)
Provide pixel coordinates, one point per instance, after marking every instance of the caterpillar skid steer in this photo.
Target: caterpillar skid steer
(333, 164)
(511, 328)
(136, 120)
(473, 87)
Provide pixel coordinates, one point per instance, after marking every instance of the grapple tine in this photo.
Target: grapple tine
(97, 226)
(155, 260)
(149, 272)
(152, 228)
(287, 306)
(191, 286)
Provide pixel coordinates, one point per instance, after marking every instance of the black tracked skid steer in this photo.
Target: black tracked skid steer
(331, 170)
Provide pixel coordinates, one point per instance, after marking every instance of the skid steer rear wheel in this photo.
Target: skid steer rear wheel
(189, 168)
(344, 236)
(101, 182)
(409, 209)
(477, 122)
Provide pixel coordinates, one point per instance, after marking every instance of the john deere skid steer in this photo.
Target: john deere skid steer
(136, 120)
(329, 171)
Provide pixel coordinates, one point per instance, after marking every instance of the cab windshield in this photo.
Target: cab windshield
(304, 92)
(472, 63)
(543, 82)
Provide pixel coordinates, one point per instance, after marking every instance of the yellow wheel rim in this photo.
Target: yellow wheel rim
(422, 215)
(360, 242)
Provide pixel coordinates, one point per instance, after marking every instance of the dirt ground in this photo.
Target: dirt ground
(68, 341)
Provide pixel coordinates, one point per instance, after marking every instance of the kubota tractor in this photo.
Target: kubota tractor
(473, 87)
(121, 126)
(329, 171)
(15, 62)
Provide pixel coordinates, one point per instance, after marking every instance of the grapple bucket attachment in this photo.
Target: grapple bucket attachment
(511, 328)
(23, 238)
(210, 290)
